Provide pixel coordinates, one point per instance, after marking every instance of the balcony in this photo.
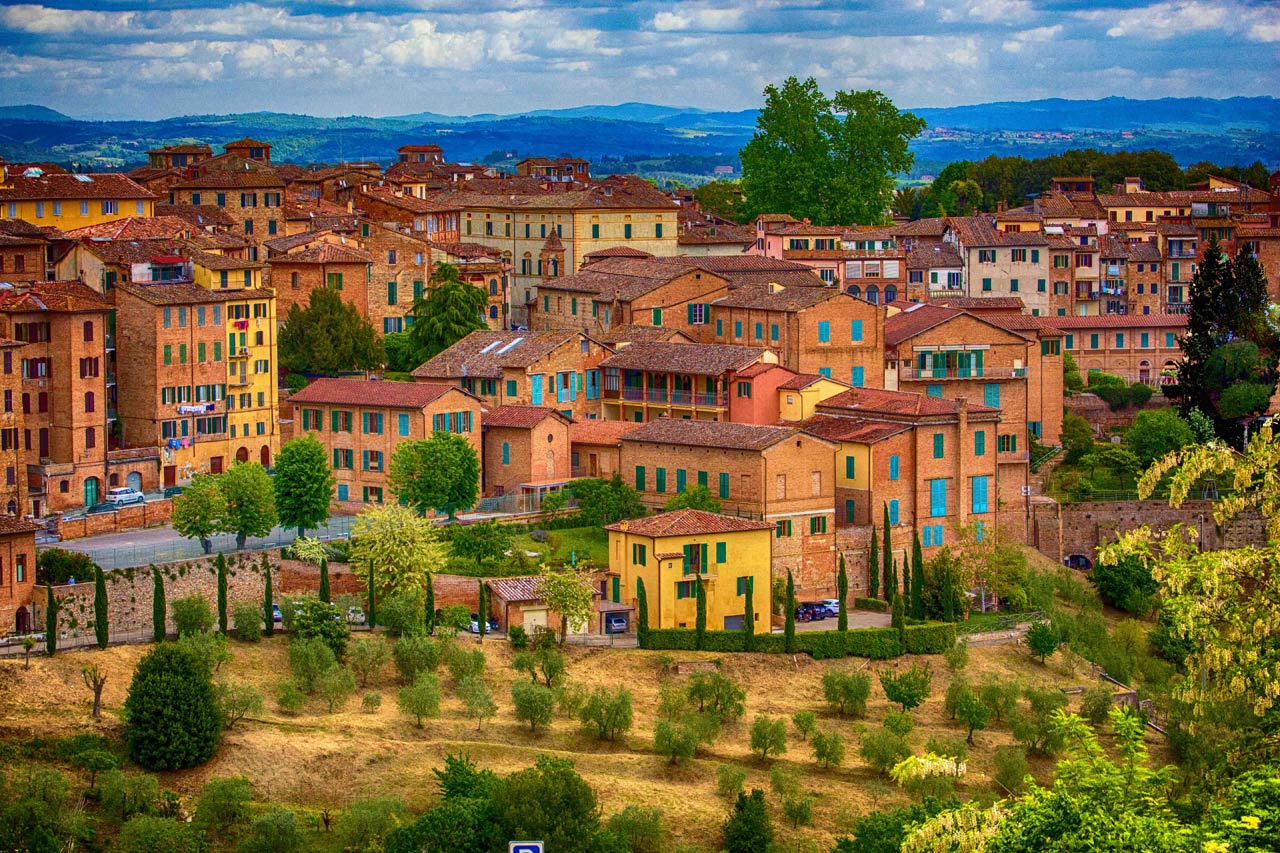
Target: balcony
(1178, 308)
(933, 374)
(698, 398)
(241, 352)
(1179, 252)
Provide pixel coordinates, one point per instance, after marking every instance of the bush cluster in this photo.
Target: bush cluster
(872, 604)
(875, 643)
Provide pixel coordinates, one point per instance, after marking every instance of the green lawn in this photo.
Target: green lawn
(588, 543)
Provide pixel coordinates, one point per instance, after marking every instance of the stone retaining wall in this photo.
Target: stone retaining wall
(149, 514)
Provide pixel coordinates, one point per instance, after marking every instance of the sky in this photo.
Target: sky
(157, 58)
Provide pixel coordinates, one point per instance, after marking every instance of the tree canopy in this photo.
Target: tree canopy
(303, 483)
(327, 337)
(400, 545)
(831, 160)
(251, 501)
(438, 473)
(606, 501)
(450, 310)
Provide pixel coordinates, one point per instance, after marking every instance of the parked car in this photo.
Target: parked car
(123, 496)
(474, 627)
(172, 491)
(832, 605)
(806, 612)
(276, 615)
(615, 623)
(355, 615)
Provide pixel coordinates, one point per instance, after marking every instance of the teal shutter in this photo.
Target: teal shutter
(849, 467)
(680, 480)
(855, 330)
(980, 442)
(724, 485)
(722, 555)
(824, 331)
(639, 478)
(939, 443)
(893, 468)
(991, 395)
(858, 377)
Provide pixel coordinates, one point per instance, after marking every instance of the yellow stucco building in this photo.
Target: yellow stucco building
(799, 396)
(71, 201)
(671, 551)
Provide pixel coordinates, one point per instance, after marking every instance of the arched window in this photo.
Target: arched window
(855, 291)
(890, 294)
(555, 266)
(526, 264)
(89, 401)
(293, 280)
(873, 294)
(493, 312)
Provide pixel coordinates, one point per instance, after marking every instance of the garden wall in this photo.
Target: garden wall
(1061, 530)
(1095, 410)
(875, 643)
(134, 517)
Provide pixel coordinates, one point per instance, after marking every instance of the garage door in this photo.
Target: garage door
(734, 623)
(534, 617)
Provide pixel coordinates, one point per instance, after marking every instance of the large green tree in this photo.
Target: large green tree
(438, 473)
(172, 718)
(251, 501)
(399, 546)
(829, 160)
(200, 511)
(328, 337)
(450, 310)
(303, 483)
(1231, 349)
(604, 502)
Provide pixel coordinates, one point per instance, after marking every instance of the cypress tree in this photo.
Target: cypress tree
(101, 628)
(889, 586)
(221, 564)
(371, 621)
(917, 577)
(642, 613)
(873, 566)
(157, 606)
(429, 606)
(842, 592)
(789, 626)
(50, 623)
(898, 620)
(749, 618)
(268, 611)
(482, 612)
(325, 595)
(700, 625)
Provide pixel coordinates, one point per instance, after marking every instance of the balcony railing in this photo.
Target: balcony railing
(1178, 308)
(910, 374)
(1179, 253)
(698, 398)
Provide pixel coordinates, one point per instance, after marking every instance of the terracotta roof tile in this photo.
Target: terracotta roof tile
(979, 231)
(186, 293)
(104, 185)
(599, 432)
(694, 359)
(874, 401)
(917, 319)
(851, 429)
(485, 353)
(1120, 321)
(981, 303)
(526, 587)
(372, 392)
(687, 522)
(719, 434)
(61, 296)
(632, 333)
(216, 179)
(789, 299)
(325, 253)
(616, 252)
(934, 257)
(203, 215)
(932, 227)
(12, 526)
(518, 417)
(736, 263)
(801, 381)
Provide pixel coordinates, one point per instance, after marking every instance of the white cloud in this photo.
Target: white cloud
(1037, 35)
(988, 11)
(1174, 19)
(704, 20)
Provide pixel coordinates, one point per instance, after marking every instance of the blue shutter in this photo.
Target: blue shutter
(928, 536)
(506, 453)
(404, 424)
(991, 395)
(893, 512)
(535, 389)
(937, 498)
(893, 467)
(825, 371)
(858, 377)
(855, 330)
(342, 491)
(824, 331)
(979, 494)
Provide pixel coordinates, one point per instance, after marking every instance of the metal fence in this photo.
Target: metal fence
(68, 641)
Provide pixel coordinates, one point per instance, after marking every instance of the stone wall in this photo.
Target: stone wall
(1063, 530)
(150, 514)
(1099, 415)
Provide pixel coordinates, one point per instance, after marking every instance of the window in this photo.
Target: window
(857, 377)
(1051, 347)
(895, 467)
(893, 511)
(333, 281)
(1018, 256)
(817, 525)
(986, 284)
(639, 478)
(737, 328)
(824, 332)
(371, 422)
(657, 316)
(1007, 443)
(937, 498)
(1119, 340)
(685, 589)
(759, 331)
(724, 486)
(933, 390)
(626, 231)
(850, 467)
(1145, 340)
(743, 582)
(986, 256)
(773, 332)
(1168, 339)
(660, 480)
(1035, 256)
(991, 395)
(978, 494)
(980, 442)
(744, 390)
(391, 293)
(855, 330)
(403, 423)
(1013, 285)
(782, 528)
(939, 445)
(698, 313)
(1093, 342)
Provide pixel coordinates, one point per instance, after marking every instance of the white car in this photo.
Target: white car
(123, 496)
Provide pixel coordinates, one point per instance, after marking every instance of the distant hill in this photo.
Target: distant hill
(1232, 130)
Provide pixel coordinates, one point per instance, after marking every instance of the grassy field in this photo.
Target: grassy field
(587, 542)
(315, 760)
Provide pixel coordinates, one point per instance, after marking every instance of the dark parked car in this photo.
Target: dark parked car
(808, 612)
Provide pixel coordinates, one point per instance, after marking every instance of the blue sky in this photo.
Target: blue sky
(131, 58)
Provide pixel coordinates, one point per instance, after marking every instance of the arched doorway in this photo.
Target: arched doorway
(890, 294)
(242, 455)
(22, 621)
(1078, 561)
(12, 508)
(135, 481)
(92, 488)
(1144, 371)
(264, 456)
(873, 294)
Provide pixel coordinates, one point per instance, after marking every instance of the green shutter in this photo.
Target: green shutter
(722, 552)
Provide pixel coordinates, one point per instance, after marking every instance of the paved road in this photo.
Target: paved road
(857, 619)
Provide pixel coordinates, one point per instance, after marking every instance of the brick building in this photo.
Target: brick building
(23, 249)
(558, 369)
(1137, 347)
(252, 198)
(70, 201)
(344, 269)
(776, 474)
(13, 455)
(1002, 263)
(526, 450)
(360, 422)
(646, 381)
(596, 447)
(17, 575)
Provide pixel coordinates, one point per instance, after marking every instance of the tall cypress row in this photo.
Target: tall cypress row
(700, 623)
(221, 564)
(429, 606)
(889, 586)
(873, 566)
(749, 618)
(268, 611)
(482, 613)
(101, 627)
(325, 595)
(789, 626)
(50, 623)
(372, 620)
(917, 577)
(158, 630)
(842, 592)
(642, 613)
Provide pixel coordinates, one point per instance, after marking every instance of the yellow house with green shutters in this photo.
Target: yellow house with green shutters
(799, 396)
(71, 201)
(670, 552)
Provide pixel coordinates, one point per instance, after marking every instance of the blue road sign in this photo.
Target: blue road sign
(526, 847)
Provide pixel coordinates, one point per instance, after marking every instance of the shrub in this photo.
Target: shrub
(1000, 695)
(533, 703)
(334, 687)
(95, 761)
(477, 699)
(545, 661)
(518, 638)
(1042, 640)
(768, 736)
(899, 722)
(124, 795)
(309, 659)
(237, 701)
(958, 686)
(607, 712)
(957, 657)
(717, 695)
(805, 722)
(58, 565)
(277, 831)
(932, 639)
(247, 619)
(798, 810)
(365, 823)
(371, 701)
(882, 749)
(191, 614)
(1096, 703)
(463, 664)
(147, 834)
(875, 605)
(570, 698)
(639, 829)
(289, 607)
(729, 780)
(320, 620)
(1167, 642)
(367, 659)
(208, 648)
(289, 697)
(420, 699)
(172, 718)
(950, 747)
(223, 805)
(401, 614)
(1127, 585)
(677, 740)
(415, 655)
(1033, 726)
(1011, 768)
(846, 692)
(909, 688)
(828, 749)
(749, 828)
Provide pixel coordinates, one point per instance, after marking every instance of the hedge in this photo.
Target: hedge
(875, 643)
(873, 604)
